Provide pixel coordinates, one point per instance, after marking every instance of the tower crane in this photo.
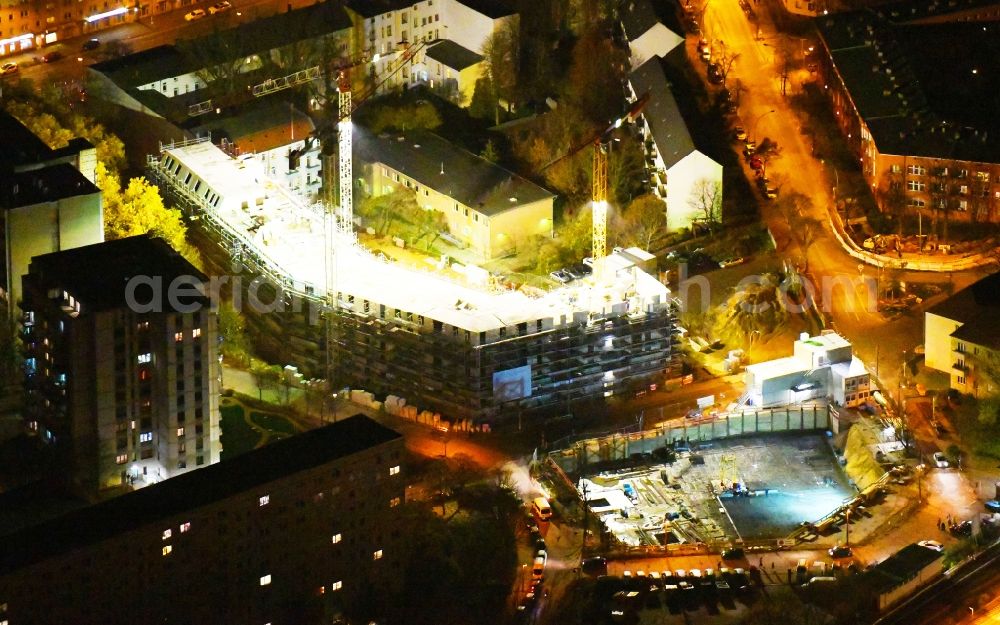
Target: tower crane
(599, 178)
(339, 221)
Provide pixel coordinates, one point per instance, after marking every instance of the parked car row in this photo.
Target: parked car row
(218, 7)
(573, 272)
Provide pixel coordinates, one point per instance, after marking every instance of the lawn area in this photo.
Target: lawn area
(237, 435)
(982, 439)
(241, 433)
(277, 425)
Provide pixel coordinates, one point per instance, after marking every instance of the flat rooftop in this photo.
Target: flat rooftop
(290, 237)
(191, 490)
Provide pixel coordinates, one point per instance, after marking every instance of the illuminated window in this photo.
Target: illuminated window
(263, 501)
(336, 538)
(146, 437)
(335, 586)
(185, 527)
(121, 458)
(196, 332)
(265, 580)
(167, 534)
(394, 502)
(377, 555)
(394, 470)
(167, 549)
(178, 336)
(180, 431)
(144, 358)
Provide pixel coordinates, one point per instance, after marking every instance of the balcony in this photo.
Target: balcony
(960, 366)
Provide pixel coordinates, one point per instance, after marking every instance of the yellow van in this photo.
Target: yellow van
(541, 508)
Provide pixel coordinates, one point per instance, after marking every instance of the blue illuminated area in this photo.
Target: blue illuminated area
(777, 513)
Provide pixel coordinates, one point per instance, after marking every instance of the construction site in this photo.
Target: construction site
(723, 491)
(444, 338)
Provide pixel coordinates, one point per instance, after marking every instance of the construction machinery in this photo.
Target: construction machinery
(599, 193)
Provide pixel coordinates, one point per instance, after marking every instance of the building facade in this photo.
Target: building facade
(487, 208)
(290, 533)
(821, 367)
(961, 338)
(678, 171)
(386, 30)
(125, 384)
(48, 202)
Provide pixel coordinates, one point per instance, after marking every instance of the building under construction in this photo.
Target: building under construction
(446, 341)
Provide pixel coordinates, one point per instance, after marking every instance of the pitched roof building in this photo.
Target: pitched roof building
(886, 70)
(961, 332)
(677, 168)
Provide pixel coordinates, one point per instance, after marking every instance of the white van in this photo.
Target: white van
(541, 508)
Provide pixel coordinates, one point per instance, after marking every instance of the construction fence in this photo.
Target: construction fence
(575, 458)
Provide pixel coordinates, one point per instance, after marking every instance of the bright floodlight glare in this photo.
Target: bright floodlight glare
(101, 16)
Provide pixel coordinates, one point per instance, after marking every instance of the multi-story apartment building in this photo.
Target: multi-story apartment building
(487, 208)
(385, 29)
(203, 76)
(461, 344)
(961, 337)
(122, 376)
(48, 202)
(293, 532)
(909, 88)
(277, 135)
(677, 169)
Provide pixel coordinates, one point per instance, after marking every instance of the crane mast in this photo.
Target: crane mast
(599, 210)
(345, 169)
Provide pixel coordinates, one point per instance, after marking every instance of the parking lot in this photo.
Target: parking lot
(767, 486)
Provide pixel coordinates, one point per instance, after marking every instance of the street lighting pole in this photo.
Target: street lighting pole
(753, 128)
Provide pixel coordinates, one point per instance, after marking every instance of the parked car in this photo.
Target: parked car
(572, 272)
(52, 57)
(706, 55)
(583, 269)
(840, 551)
(560, 275)
(993, 505)
(702, 45)
(219, 7)
(8, 68)
(756, 163)
(197, 14)
(963, 529)
(739, 133)
(594, 566)
(589, 261)
(714, 74)
(931, 544)
(940, 460)
(751, 147)
(91, 44)
(770, 193)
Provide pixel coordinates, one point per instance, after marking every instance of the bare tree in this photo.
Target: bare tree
(893, 197)
(706, 198)
(724, 59)
(768, 150)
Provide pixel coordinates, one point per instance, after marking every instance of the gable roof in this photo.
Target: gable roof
(637, 18)
(192, 490)
(666, 124)
(977, 308)
(937, 100)
(434, 162)
(453, 55)
(143, 67)
(260, 125)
